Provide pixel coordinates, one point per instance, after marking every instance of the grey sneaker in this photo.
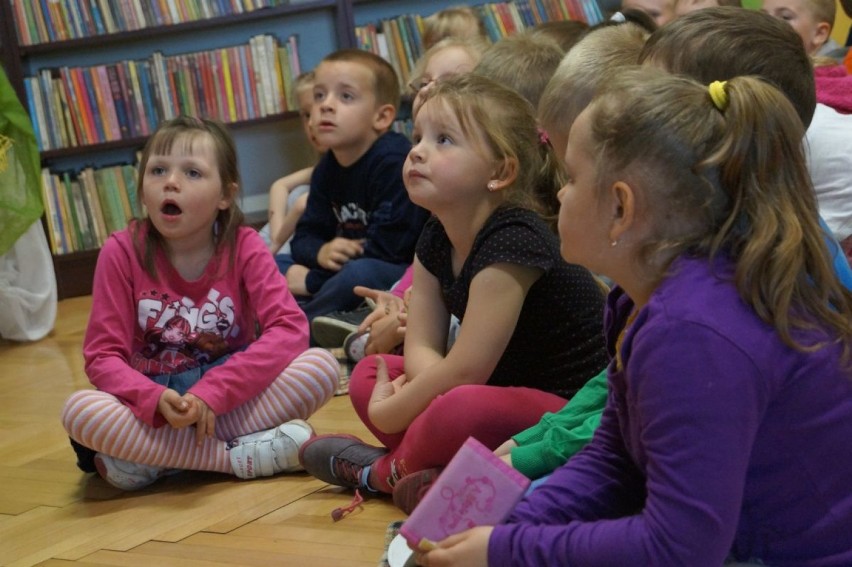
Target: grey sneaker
(329, 331)
(410, 489)
(339, 459)
(270, 452)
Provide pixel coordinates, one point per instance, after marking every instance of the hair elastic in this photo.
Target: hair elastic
(543, 137)
(718, 94)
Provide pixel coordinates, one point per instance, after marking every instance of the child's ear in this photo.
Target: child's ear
(504, 174)
(384, 117)
(623, 209)
(821, 34)
(228, 196)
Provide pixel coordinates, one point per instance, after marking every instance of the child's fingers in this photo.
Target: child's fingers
(381, 371)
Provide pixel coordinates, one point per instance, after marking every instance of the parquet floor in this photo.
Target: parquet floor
(54, 515)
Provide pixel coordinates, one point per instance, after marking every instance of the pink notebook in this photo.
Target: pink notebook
(476, 488)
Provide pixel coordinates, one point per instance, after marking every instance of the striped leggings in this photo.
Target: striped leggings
(101, 422)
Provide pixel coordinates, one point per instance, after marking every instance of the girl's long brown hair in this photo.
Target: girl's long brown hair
(730, 180)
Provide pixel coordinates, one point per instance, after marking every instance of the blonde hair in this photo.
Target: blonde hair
(189, 131)
(601, 52)
(506, 124)
(304, 82)
(385, 81)
(460, 22)
(732, 182)
(524, 62)
(474, 47)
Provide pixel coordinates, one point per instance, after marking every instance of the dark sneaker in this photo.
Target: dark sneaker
(339, 459)
(410, 489)
(329, 331)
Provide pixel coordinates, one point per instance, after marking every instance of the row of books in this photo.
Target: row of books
(79, 106)
(400, 40)
(82, 210)
(44, 21)
(505, 18)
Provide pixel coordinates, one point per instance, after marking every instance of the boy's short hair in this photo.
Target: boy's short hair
(601, 51)
(716, 44)
(822, 10)
(565, 32)
(385, 80)
(523, 62)
(460, 22)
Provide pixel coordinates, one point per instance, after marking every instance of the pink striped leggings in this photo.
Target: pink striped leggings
(491, 414)
(101, 422)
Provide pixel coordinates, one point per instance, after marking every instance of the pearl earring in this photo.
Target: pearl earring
(614, 243)
(492, 186)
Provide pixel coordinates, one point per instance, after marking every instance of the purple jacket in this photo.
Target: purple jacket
(718, 442)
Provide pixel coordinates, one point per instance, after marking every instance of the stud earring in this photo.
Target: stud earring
(614, 243)
(492, 186)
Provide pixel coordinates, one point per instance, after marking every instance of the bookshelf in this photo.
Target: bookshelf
(270, 144)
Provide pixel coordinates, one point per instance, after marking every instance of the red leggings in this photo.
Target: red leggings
(491, 414)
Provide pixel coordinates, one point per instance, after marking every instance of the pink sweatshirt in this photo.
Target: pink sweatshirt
(141, 327)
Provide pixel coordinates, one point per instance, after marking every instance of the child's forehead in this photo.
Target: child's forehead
(185, 144)
(798, 6)
(350, 73)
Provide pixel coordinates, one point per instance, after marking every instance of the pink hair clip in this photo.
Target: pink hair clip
(543, 137)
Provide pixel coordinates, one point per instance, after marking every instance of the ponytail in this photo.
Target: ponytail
(723, 171)
(772, 228)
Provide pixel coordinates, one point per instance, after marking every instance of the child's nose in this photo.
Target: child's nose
(172, 180)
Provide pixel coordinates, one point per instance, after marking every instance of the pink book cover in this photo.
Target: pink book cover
(476, 488)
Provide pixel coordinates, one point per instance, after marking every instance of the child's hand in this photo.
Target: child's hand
(384, 388)
(335, 253)
(176, 410)
(505, 448)
(468, 548)
(205, 423)
(387, 304)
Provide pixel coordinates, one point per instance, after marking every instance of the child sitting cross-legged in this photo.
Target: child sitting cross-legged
(484, 170)
(197, 350)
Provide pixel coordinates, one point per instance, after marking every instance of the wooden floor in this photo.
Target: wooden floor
(53, 514)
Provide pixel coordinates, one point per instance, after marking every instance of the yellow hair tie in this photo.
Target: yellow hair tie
(718, 94)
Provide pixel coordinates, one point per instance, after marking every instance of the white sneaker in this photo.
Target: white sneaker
(126, 475)
(355, 345)
(270, 452)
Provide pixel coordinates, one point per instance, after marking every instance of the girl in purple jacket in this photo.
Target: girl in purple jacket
(726, 433)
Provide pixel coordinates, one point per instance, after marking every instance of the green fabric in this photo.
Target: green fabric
(20, 168)
(547, 445)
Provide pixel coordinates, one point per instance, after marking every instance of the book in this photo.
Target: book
(106, 99)
(119, 101)
(51, 207)
(87, 182)
(476, 488)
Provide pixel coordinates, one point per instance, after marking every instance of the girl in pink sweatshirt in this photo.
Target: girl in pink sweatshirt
(197, 350)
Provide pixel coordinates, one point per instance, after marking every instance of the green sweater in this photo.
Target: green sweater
(547, 445)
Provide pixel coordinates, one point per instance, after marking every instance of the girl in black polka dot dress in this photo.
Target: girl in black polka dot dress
(531, 324)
